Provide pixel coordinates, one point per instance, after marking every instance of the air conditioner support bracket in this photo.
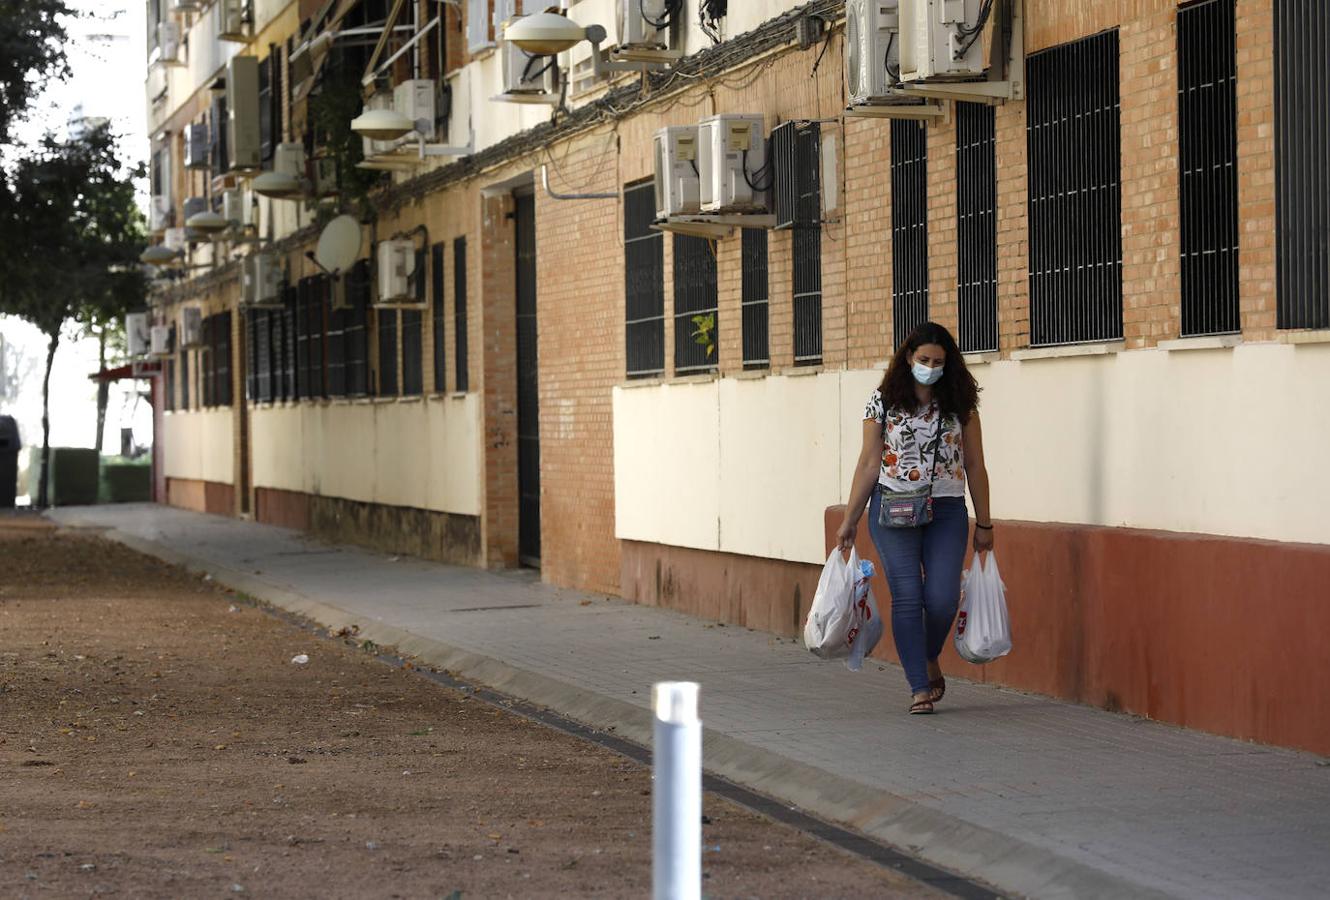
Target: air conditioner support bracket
(595, 34)
(715, 227)
(541, 99)
(1006, 81)
(897, 111)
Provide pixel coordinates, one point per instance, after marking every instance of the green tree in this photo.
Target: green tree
(32, 40)
(70, 235)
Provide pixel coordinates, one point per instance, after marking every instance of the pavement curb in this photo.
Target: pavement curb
(1014, 866)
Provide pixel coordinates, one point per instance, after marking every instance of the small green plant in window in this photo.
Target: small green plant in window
(705, 333)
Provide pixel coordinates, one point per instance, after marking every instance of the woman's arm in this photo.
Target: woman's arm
(861, 484)
(976, 473)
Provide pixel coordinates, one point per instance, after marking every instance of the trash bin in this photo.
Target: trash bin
(8, 461)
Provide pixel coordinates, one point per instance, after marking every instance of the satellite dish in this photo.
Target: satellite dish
(339, 244)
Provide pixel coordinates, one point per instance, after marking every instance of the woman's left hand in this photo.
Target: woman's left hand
(983, 539)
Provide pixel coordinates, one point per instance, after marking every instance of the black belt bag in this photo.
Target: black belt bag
(914, 509)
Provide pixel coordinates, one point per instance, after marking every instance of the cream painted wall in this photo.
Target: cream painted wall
(424, 454)
(199, 445)
(1189, 441)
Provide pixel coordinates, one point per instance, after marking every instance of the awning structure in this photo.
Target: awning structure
(136, 369)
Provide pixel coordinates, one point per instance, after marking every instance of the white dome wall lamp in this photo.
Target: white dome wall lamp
(390, 125)
(547, 34)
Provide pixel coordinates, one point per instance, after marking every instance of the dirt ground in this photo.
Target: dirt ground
(156, 740)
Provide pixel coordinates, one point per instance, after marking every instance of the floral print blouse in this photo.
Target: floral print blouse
(907, 449)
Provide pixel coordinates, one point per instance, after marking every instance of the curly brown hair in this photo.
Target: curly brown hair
(956, 391)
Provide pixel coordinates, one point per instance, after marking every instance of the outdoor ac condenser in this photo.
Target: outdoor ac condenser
(160, 340)
(238, 207)
(136, 333)
(191, 326)
(232, 20)
(289, 159)
(176, 239)
(527, 74)
(263, 281)
(397, 262)
(731, 150)
(159, 212)
(937, 40)
(872, 48)
(644, 24)
(242, 113)
(414, 98)
(678, 187)
(169, 35)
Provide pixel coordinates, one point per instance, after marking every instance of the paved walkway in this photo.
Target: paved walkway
(1037, 796)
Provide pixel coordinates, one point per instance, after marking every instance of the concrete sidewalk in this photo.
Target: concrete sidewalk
(1036, 796)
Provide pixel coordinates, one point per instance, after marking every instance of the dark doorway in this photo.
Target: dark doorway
(528, 387)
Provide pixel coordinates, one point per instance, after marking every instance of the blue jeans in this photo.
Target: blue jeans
(923, 568)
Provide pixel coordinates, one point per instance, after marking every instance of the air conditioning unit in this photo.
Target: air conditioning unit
(159, 213)
(176, 239)
(414, 98)
(938, 40)
(397, 263)
(197, 146)
(678, 188)
(645, 24)
(872, 48)
(238, 207)
(191, 326)
(160, 340)
(289, 159)
(191, 207)
(323, 176)
(232, 20)
(169, 35)
(242, 111)
(732, 164)
(137, 336)
(371, 148)
(263, 280)
(527, 75)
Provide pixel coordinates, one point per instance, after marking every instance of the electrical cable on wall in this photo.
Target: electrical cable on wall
(709, 14)
(672, 9)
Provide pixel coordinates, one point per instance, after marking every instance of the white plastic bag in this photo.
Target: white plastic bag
(830, 617)
(867, 626)
(983, 631)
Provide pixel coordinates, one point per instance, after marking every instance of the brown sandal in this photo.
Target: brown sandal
(937, 688)
(921, 708)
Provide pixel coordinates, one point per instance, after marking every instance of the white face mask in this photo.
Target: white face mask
(926, 374)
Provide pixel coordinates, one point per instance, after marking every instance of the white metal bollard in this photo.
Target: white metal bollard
(676, 797)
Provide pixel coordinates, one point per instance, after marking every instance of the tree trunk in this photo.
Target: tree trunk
(103, 389)
(44, 477)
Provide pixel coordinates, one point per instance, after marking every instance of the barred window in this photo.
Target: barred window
(412, 353)
(755, 299)
(1208, 166)
(1302, 162)
(168, 384)
(288, 314)
(266, 130)
(695, 306)
(438, 315)
(355, 335)
(387, 328)
(909, 227)
(1075, 196)
(303, 388)
(807, 247)
(460, 380)
(336, 344)
(644, 282)
(976, 227)
(261, 332)
(221, 359)
(184, 379)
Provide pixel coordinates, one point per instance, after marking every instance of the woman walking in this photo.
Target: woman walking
(922, 444)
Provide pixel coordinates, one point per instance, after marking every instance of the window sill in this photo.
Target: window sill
(654, 381)
(411, 398)
(1067, 351)
(981, 359)
(696, 378)
(1320, 336)
(799, 371)
(750, 374)
(1209, 342)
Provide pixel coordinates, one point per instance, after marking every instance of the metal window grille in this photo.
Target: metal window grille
(184, 379)
(412, 353)
(302, 337)
(1302, 162)
(168, 383)
(218, 137)
(205, 365)
(695, 306)
(221, 359)
(317, 318)
(387, 352)
(976, 227)
(807, 246)
(755, 299)
(277, 347)
(290, 387)
(355, 335)
(909, 227)
(460, 380)
(644, 283)
(1208, 166)
(262, 354)
(1075, 196)
(437, 313)
(266, 142)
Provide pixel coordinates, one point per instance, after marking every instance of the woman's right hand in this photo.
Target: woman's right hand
(845, 535)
